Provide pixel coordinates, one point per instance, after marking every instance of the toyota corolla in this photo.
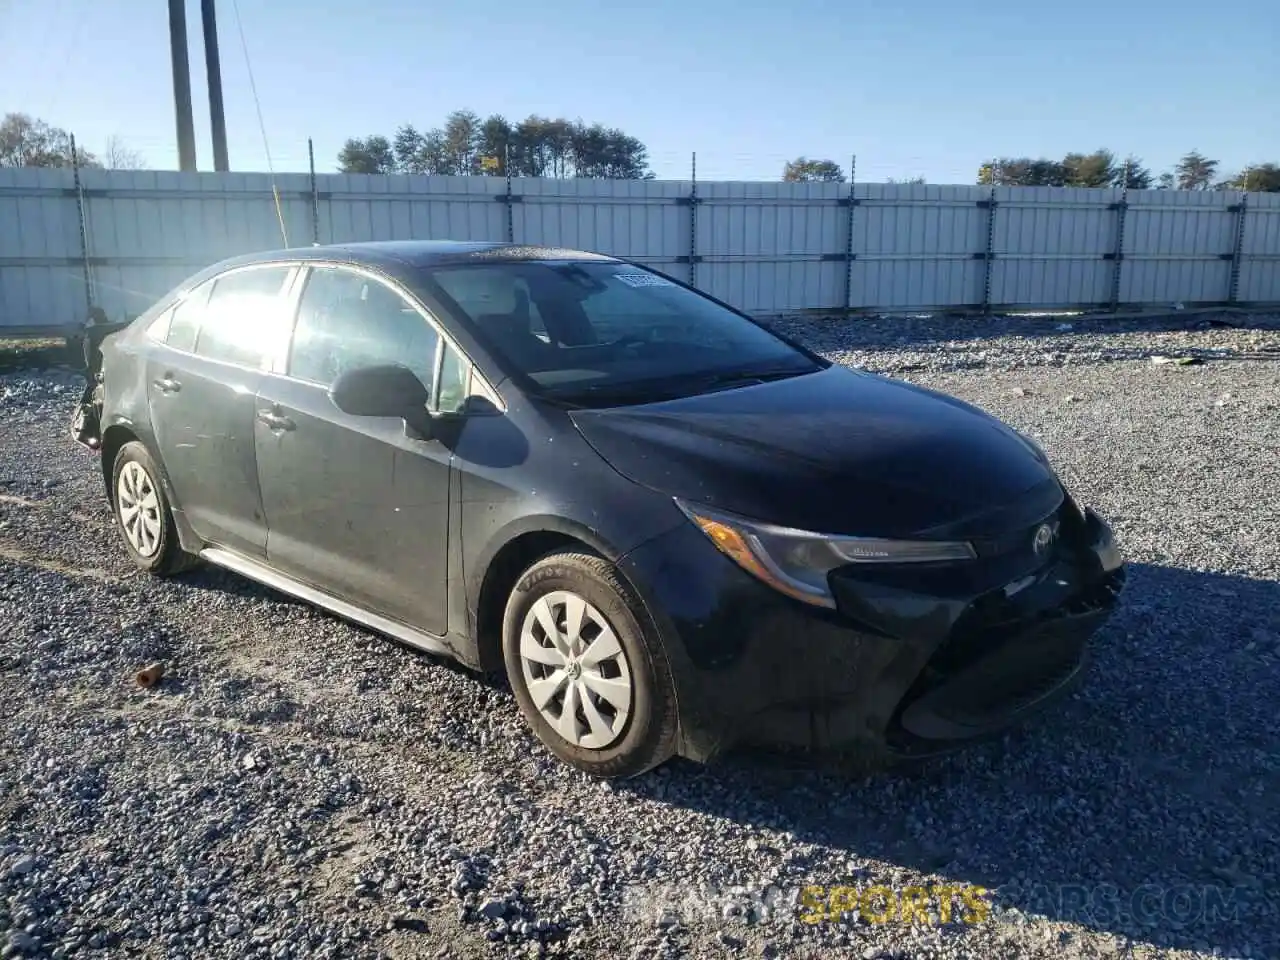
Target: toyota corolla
(674, 530)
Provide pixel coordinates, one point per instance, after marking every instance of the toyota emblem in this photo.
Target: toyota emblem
(1043, 539)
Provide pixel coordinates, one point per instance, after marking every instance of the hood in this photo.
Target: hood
(837, 451)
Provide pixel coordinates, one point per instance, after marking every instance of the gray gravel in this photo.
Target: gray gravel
(296, 787)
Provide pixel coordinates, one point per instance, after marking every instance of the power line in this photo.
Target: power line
(65, 63)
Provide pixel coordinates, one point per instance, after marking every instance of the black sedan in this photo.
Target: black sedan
(675, 530)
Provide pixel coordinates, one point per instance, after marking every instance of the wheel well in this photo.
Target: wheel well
(500, 578)
(113, 438)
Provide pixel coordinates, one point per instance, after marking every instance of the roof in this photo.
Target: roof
(421, 253)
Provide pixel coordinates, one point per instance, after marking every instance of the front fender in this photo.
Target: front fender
(605, 542)
(610, 519)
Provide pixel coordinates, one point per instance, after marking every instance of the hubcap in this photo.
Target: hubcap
(139, 509)
(575, 670)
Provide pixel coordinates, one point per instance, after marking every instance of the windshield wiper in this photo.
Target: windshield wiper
(619, 393)
(733, 378)
(668, 388)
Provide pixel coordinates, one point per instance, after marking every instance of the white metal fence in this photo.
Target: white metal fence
(118, 239)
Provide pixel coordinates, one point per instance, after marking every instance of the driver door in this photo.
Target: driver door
(353, 506)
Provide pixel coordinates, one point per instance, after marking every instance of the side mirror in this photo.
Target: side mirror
(385, 390)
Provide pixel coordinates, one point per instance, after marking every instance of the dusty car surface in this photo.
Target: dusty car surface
(674, 530)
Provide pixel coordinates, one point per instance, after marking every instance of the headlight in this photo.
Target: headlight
(796, 562)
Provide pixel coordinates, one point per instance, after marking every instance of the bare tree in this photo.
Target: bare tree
(120, 156)
(29, 142)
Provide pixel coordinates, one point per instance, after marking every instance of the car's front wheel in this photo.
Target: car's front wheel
(592, 683)
(143, 514)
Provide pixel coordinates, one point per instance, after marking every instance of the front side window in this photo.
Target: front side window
(609, 332)
(348, 320)
(243, 318)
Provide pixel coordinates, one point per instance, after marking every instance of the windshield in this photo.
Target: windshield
(611, 332)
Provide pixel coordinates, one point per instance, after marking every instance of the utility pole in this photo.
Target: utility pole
(182, 86)
(217, 119)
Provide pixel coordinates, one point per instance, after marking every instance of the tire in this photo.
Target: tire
(149, 533)
(619, 737)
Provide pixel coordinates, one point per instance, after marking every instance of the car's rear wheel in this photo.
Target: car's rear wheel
(591, 681)
(143, 514)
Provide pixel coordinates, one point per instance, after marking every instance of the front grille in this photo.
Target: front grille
(1099, 597)
(993, 622)
(954, 699)
(1001, 686)
(1005, 653)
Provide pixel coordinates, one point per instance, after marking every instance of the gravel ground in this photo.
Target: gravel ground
(297, 787)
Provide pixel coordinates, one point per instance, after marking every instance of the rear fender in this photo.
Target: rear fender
(93, 337)
(86, 419)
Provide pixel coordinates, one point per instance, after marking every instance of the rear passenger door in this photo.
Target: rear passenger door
(354, 506)
(202, 380)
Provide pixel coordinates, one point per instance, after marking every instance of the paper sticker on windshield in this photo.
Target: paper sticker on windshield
(643, 280)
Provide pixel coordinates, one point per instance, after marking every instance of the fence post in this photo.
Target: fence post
(84, 228)
(315, 194)
(691, 201)
(1122, 210)
(987, 254)
(506, 168)
(848, 240)
(1241, 210)
(693, 222)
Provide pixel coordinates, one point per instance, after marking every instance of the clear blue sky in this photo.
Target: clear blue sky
(928, 88)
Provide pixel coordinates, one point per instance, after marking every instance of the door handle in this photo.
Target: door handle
(168, 385)
(275, 421)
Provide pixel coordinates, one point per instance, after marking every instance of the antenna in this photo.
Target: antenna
(253, 88)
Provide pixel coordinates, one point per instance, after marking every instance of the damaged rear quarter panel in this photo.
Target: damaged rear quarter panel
(125, 399)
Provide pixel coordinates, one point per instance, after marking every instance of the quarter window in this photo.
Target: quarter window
(159, 328)
(347, 320)
(184, 324)
(454, 381)
(243, 319)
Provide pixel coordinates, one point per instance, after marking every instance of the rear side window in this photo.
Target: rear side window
(244, 316)
(348, 320)
(184, 321)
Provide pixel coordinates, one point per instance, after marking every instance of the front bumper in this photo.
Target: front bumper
(913, 661)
